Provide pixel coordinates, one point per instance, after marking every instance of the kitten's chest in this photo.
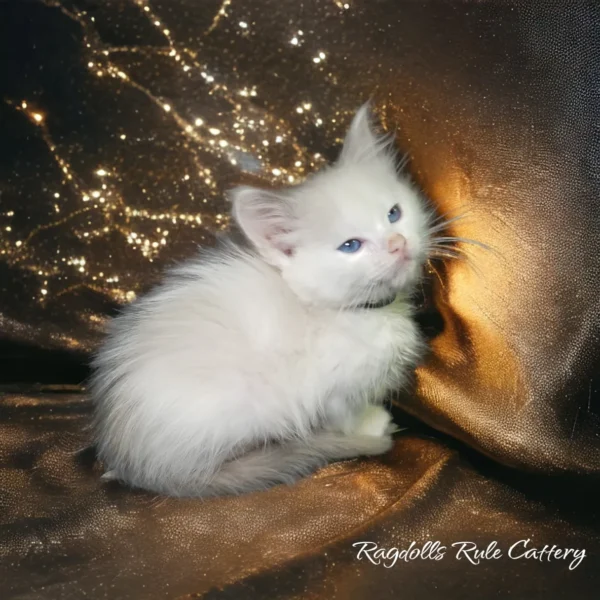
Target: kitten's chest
(358, 350)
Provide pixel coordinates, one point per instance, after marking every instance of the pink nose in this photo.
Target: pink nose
(396, 244)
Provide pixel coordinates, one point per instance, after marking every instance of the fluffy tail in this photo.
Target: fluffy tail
(288, 461)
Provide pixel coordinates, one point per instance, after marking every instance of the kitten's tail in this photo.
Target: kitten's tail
(286, 462)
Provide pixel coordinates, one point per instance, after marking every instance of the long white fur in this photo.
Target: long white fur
(253, 364)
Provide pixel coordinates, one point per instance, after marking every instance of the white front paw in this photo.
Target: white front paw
(374, 420)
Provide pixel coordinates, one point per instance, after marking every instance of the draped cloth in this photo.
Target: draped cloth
(122, 124)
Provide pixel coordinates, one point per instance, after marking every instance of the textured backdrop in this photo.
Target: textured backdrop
(122, 122)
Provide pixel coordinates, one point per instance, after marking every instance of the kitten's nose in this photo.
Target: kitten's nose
(396, 244)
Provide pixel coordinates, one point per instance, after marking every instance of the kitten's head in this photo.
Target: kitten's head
(351, 234)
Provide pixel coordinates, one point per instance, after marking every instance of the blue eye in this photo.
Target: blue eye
(394, 214)
(350, 246)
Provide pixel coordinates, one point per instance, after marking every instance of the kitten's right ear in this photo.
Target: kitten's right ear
(363, 141)
(267, 219)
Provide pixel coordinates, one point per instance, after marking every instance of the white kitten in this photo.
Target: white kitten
(253, 364)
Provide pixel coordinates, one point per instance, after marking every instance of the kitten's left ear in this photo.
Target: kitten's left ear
(267, 218)
(363, 142)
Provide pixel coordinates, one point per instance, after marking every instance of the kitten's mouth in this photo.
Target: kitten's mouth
(399, 266)
(405, 258)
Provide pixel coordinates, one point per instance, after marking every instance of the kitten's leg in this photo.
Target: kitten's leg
(340, 416)
(287, 461)
(349, 432)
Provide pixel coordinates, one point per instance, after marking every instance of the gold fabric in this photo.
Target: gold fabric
(67, 535)
(123, 122)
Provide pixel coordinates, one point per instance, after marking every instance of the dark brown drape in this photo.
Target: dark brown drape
(121, 125)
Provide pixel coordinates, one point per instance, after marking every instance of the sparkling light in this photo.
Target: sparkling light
(242, 135)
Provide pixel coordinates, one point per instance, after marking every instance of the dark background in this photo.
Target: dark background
(497, 105)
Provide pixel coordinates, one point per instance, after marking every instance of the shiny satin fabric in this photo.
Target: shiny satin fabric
(123, 123)
(67, 535)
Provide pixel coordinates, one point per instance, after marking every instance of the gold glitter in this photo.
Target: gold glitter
(220, 14)
(235, 135)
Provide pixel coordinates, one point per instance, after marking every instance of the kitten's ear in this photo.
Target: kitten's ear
(362, 141)
(267, 218)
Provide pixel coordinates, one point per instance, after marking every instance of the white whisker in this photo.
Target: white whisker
(445, 224)
(454, 239)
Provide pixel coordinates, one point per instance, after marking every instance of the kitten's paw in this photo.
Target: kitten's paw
(110, 476)
(378, 445)
(375, 421)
